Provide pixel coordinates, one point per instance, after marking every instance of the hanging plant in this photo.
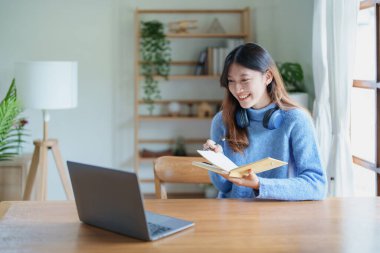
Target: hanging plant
(155, 54)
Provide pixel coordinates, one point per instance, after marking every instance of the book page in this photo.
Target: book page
(209, 166)
(218, 159)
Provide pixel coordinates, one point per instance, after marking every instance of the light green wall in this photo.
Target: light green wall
(99, 34)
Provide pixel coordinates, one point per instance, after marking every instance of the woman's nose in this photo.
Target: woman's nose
(239, 87)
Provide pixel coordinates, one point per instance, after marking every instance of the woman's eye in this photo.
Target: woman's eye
(230, 82)
(245, 80)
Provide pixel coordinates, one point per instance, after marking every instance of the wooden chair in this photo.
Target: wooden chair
(177, 169)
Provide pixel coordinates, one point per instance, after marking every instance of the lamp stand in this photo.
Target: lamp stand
(40, 161)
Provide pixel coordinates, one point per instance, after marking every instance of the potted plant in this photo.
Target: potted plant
(209, 190)
(179, 147)
(155, 53)
(11, 128)
(293, 77)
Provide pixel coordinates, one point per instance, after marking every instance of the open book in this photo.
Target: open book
(220, 163)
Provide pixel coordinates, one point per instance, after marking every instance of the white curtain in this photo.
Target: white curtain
(334, 35)
(341, 22)
(321, 107)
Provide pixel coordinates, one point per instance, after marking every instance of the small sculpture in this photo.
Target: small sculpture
(182, 26)
(174, 109)
(205, 110)
(216, 27)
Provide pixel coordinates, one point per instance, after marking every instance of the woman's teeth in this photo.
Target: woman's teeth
(243, 97)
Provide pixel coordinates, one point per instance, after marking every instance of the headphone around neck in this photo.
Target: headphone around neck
(272, 118)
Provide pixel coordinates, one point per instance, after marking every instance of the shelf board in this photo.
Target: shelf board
(146, 180)
(203, 11)
(186, 141)
(186, 77)
(206, 35)
(166, 118)
(180, 63)
(183, 101)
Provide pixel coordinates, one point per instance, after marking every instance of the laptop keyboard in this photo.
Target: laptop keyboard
(155, 229)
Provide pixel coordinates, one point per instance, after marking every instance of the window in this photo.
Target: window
(365, 136)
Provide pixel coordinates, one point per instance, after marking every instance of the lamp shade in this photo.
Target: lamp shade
(47, 85)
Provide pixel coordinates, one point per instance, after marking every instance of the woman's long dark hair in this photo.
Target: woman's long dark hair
(254, 57)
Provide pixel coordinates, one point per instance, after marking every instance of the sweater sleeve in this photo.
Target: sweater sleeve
(216, 134)
(220, 182)
(309, 182)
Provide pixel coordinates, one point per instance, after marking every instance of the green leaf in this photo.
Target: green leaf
(293, 77)
(156, 59)
(10, 137)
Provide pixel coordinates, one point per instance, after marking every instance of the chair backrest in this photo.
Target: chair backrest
(177, 169)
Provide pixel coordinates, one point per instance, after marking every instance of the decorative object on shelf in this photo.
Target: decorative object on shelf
(11, 128)
(174, 108)
(156, 57)
(47, 85)
(145, 153)
(205, 110)
(182, 26)
(179, 147)
(216, 27)
(301, 98)
(209, 190)
(190, 112)
(292, 74)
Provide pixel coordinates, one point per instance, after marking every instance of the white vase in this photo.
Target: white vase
(211, 192)
(302, 98)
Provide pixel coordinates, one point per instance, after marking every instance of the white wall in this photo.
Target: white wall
(99, 34)
(84, 31)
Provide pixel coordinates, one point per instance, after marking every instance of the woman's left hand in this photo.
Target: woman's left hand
(248, 180)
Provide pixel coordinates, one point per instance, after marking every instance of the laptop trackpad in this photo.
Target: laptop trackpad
(166, 221)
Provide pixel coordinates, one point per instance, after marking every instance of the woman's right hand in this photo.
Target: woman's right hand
(211, 145)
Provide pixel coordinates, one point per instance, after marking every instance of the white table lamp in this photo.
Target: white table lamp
(46, 86)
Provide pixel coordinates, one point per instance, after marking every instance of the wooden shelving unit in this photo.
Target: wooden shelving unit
(241, 31)
(185, 77)
(204, 36)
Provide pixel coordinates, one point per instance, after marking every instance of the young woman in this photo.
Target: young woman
(259, 120)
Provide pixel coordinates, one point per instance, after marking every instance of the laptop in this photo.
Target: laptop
(111, 199)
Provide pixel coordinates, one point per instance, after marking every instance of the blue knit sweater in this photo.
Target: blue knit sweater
(293, 142)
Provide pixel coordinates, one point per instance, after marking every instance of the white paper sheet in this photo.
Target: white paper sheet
(219, 159)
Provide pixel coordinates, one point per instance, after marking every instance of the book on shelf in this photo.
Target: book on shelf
(233, 43)
(217, 55)
(210, 61)
(201, 64)
(221, 164)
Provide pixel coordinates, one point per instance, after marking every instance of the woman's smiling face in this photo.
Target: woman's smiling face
(248, 86)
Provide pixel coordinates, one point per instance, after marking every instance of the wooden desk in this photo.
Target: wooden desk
(333, 225)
